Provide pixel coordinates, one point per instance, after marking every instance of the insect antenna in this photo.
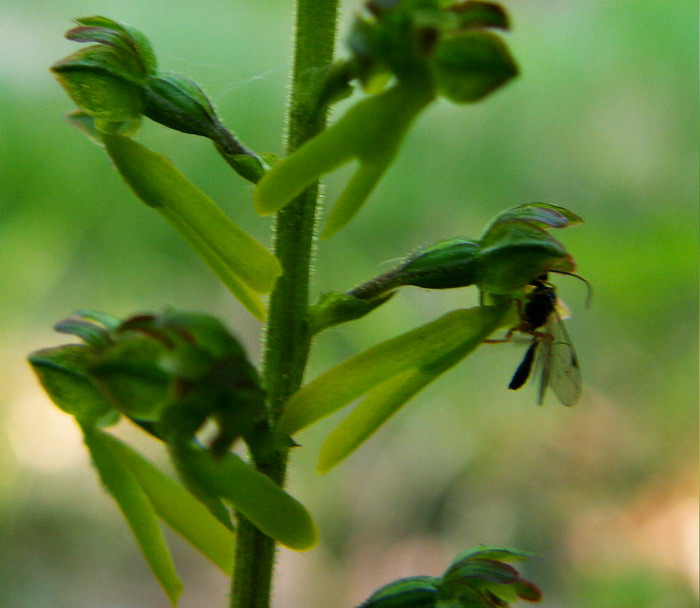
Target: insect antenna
(589, 288)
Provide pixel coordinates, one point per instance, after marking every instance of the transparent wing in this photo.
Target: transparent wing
(558, 365)
(543, 366)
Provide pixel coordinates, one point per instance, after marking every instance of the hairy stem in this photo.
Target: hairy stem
(287, 336)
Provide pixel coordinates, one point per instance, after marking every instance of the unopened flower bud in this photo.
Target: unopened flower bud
(447, 264)
(179, 103)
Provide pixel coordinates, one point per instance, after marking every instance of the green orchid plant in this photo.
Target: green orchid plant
(175, 373)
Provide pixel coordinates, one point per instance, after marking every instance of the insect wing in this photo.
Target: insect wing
(559, 364)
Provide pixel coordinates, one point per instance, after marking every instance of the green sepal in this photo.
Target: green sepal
(176, 506)
(241, 262)
(207, 332)
(470, 65)
(99, 84)
(472, 14)
(109, 322)
(272, 510)
(336, 307)
(515, 252)
(90, 333)
(136, 507)
(485, 570)
(479, 571)
(504, 554)
(128, 39)
(130, 375)
(410, 592)
(543, 215)
(465, 597)
(63, 372)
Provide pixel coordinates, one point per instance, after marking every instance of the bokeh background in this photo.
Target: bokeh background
(603, 120)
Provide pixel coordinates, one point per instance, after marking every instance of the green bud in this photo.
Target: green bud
(447, 264)
(516, 252)
(412, 592)
(179, 103)
(515, 247)
(63, 372)
(469, 66)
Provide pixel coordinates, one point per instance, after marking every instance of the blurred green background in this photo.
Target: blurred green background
(603, 120)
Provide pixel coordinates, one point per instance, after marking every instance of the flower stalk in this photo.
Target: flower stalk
(287, 337)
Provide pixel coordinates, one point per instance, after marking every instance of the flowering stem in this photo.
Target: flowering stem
(287, 337)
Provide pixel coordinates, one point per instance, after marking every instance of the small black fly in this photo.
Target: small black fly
(550, 352)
